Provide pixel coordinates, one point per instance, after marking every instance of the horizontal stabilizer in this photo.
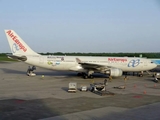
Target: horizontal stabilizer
(19, 58)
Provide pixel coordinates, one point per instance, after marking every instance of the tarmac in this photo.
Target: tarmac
(45, 96)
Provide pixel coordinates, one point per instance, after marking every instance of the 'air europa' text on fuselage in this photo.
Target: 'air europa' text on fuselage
(15, 39)
(117, 59)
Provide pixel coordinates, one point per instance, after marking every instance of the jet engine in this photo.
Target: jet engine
(115, 72)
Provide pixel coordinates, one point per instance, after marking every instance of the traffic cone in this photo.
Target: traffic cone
(92, 81)
(144, 92)
(42, 76)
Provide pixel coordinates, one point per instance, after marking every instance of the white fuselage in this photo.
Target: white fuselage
(114, 66)
(70, 63)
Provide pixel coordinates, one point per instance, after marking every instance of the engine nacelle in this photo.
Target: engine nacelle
(115, 72)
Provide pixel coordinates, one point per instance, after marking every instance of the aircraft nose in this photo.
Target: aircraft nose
(154, 65)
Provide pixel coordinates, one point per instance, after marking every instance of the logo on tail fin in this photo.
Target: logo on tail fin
(17, 45)
(15, 48)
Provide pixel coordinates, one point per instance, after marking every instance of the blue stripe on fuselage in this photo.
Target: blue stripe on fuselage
(156, 61)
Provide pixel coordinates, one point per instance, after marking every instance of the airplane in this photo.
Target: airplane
(112, 66)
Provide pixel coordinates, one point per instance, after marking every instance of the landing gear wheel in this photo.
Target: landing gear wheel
(79, 74)
(91, 76)
(85, 76)
(140, 75)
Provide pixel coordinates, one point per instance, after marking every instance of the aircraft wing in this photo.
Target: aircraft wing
(92, 65)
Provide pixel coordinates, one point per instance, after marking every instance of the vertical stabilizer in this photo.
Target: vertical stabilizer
(17, 45)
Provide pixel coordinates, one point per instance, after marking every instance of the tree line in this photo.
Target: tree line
(147, 55)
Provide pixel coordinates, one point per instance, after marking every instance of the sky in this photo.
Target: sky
(110, 26)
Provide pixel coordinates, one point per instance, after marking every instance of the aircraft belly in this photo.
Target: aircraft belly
(62, 66)
(133, 69)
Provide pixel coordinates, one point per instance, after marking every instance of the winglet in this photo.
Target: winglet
(78, 60)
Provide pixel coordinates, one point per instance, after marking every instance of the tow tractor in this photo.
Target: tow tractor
(100, 88)
(156, 77)
(30, 71)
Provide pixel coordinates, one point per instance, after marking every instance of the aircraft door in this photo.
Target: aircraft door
(41, 59)
(145, 63)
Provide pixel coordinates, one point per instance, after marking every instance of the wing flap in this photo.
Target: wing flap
(92, 65)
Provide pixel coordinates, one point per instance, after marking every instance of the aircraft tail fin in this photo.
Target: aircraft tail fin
(17, 45)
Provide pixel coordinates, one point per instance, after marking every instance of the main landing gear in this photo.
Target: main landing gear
(139, 74)
(86, 76)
